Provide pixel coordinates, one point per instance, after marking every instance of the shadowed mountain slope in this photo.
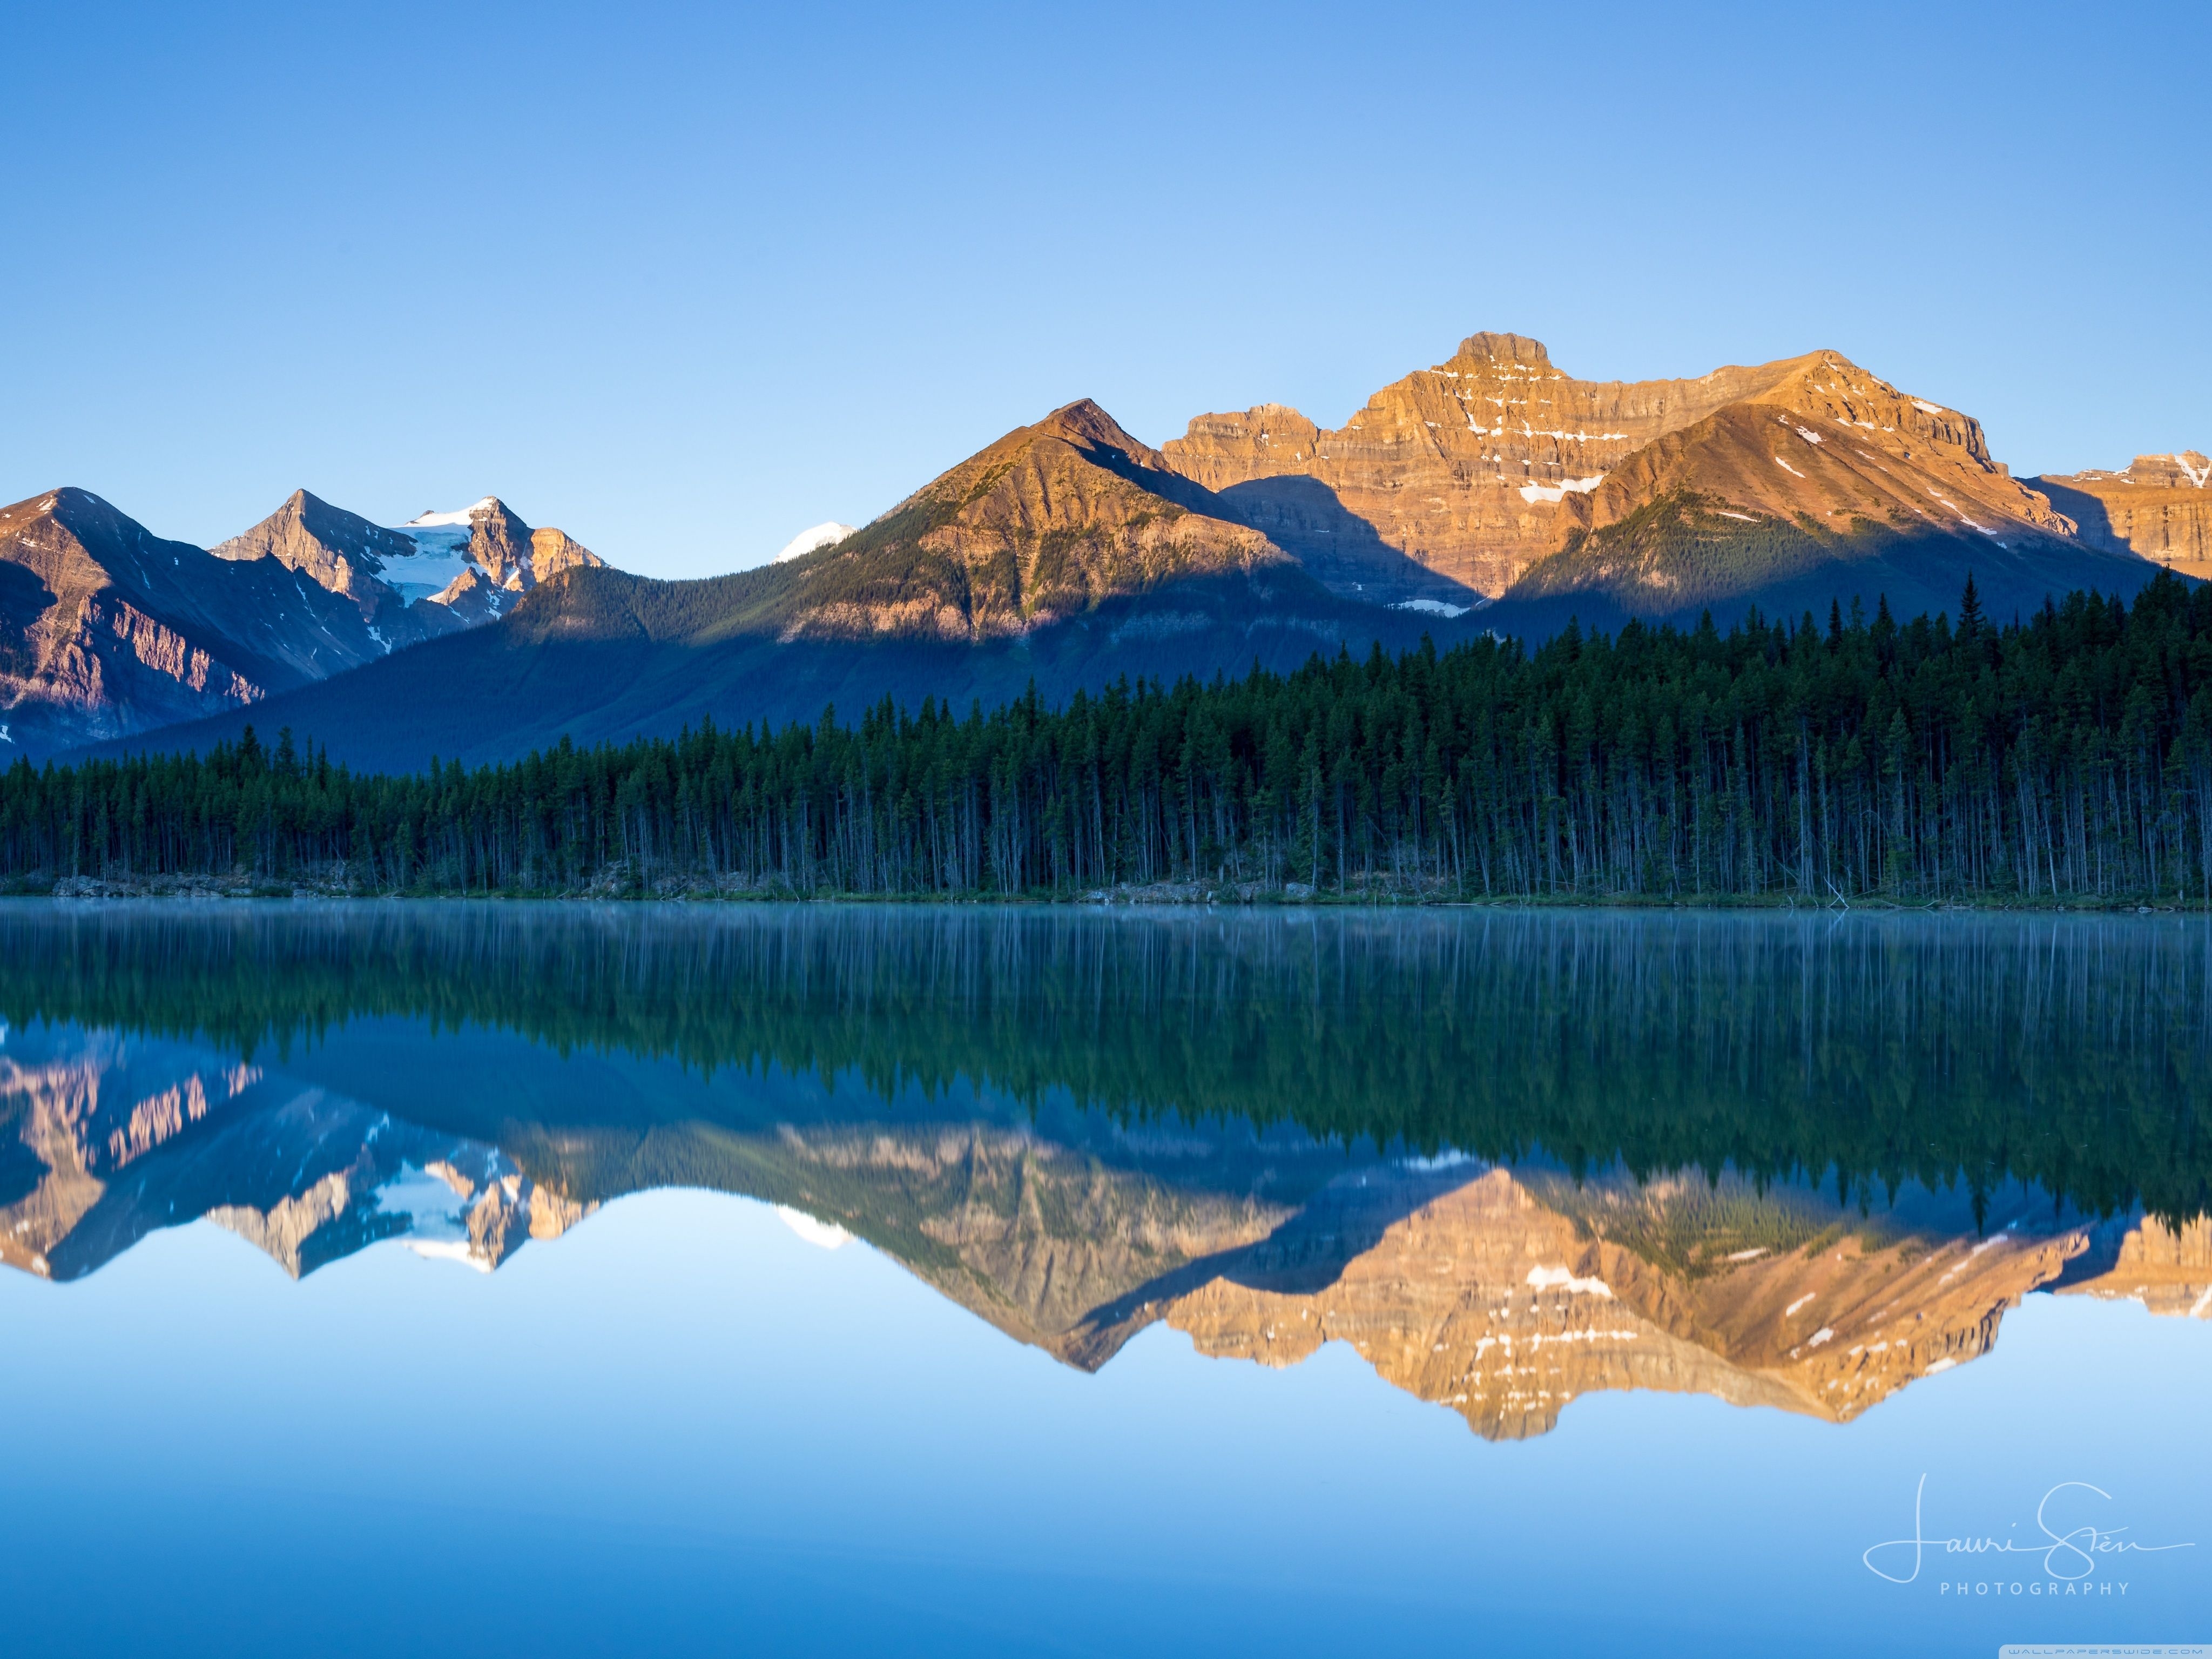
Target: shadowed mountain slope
(599, 655)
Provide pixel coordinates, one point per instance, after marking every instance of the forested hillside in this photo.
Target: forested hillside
(2069, 758)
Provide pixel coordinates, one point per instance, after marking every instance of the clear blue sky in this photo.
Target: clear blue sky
(684, 281)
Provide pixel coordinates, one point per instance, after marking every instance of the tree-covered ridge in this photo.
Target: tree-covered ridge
(2071, 1052)
(2068, 756)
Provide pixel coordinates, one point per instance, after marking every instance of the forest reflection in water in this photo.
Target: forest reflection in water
(1511, 1157)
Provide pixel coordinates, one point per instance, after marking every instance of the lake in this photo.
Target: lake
(609, 1279)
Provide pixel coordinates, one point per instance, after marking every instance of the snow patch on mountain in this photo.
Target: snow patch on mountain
(458, 516)
(1559, 491)
(820, 535)
(1546, 1278)
(823, 1234)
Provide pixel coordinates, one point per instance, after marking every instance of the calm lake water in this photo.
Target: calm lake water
(391, 1279)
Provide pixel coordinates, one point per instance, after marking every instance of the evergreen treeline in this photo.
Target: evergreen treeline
(2066, 757)
(2075, 1053)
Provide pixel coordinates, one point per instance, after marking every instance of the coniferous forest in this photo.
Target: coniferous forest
(2065, 758)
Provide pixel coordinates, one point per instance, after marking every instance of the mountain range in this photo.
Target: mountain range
(107, 631)
(1064, 555)
(1792, 481)
(1492, 493)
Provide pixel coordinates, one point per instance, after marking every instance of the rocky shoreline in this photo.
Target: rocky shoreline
(615, 887)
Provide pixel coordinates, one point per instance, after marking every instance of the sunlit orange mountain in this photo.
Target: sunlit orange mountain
(1789, 484)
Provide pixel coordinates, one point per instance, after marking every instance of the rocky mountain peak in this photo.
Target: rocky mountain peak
(106, 630)
(1828, 386)
(1052, 520)
(56, 542)
(499, 541)
(1461, 1291)
(82, 513)
(1447, 484)
(1490, 348)
(496, 540)
(338, 551)
(1456, 482)
(1087, 426)
(2189, 469)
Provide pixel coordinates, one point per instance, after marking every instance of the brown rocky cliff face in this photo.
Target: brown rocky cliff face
(1476, 1300)
(1764, 494)
(1478, 468)
(552, 551)
(1049, 521)
(1845, 1321)
(59, 1101)
(511, 552)
(2160, 508)
(282, 1231)
(500, 542)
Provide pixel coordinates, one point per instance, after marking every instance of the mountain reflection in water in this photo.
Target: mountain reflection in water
(1511, 1158)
